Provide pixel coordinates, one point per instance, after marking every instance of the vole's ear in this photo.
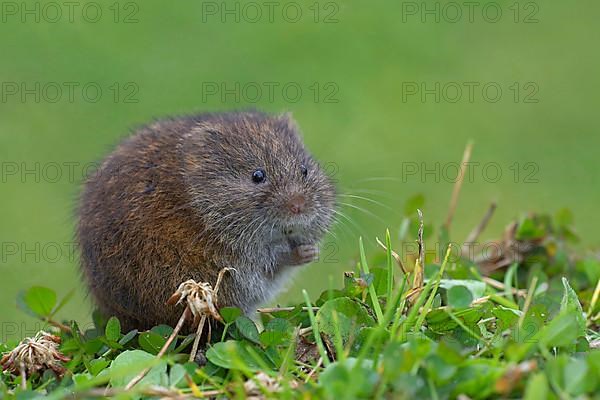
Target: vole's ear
(288, 122)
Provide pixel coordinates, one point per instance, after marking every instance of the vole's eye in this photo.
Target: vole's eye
(259, 176)
(303, 170)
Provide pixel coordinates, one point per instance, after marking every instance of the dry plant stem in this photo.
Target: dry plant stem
(202, 321)
(499, 285)
(158, 392)
(593, 303)
(312, 371)
(304, 331)
(197, 338)
(479, 228)
(58, 325)
(23, 376)
(418, 275)
(458, 185)
(395, 255)
(421, 245)
(163, 350)
(530, 293)
(192, 385)
(480, 300)
(220, 278)
(277, 309)
(475, 302)
(204, 316)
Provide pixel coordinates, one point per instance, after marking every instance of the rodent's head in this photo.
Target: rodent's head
(252, 181)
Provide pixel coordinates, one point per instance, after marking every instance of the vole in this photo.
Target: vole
(184, 197)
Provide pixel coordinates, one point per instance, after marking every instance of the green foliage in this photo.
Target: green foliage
(247, 328)
(127, 365)
(570, 305)
(375, 337)
(113, 330)
(459, 296)
(233, 355)
(344, 317)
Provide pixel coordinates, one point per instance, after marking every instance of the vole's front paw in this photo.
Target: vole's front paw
(304, 253)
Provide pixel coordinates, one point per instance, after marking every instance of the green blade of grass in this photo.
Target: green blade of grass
(389, 314)
(337, 337)
(504, 302)
(315, 328)
(464, 327)
(389, 265)
(436, 285)
(290, 353)
(510, 276)
(394, 305)
(413, 313)
(592, 306)
(372, 292)
(401, 295)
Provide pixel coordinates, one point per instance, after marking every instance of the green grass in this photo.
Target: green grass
(461, 335)
(170, 52)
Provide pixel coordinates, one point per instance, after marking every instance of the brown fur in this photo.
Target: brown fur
(176, 201)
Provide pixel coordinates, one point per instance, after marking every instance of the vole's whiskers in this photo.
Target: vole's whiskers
(240, 236)
(227, 217)
(256, 230)
(380, 179)
(369, 213)
(348, 229)
(368, 191)
(334, 235)
(353, 196)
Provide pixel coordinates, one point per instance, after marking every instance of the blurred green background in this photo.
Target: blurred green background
(353, 61)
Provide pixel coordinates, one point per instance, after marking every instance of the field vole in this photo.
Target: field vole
(183, 198)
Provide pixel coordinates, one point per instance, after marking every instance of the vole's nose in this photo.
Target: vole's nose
(296, 203)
